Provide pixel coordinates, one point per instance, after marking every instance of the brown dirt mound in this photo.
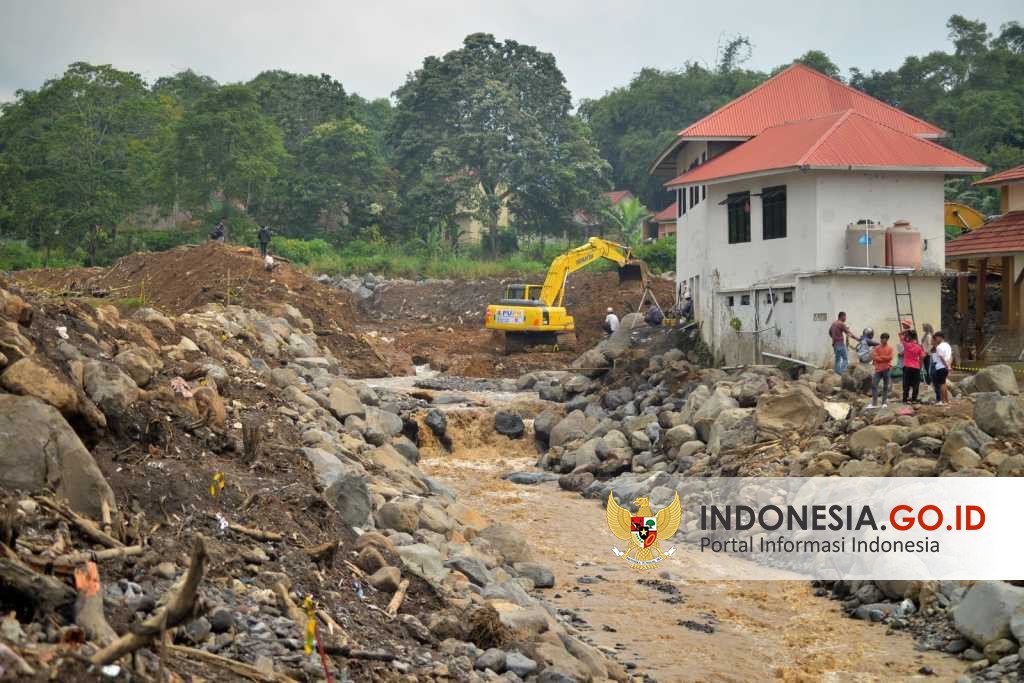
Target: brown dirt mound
(188, 277)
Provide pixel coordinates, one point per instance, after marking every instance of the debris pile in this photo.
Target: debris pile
(205, 491)
(641, 419)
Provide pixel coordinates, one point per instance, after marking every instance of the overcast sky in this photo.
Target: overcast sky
(370, 45)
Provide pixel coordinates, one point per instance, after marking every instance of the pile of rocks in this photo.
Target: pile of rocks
(254, 398)
(653, 422)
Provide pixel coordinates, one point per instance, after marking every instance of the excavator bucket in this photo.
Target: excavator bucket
(634, 270)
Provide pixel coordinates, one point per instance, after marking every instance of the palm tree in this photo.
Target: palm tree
(628, 218)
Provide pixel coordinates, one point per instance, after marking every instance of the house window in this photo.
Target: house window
(745, 300)
(787, 297)
(703, 191)
(680, 208)
(730, 301)
(693, 196)
(773, 212)
(739, 217)
(682, 201)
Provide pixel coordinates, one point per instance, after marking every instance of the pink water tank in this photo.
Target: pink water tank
(903, 246)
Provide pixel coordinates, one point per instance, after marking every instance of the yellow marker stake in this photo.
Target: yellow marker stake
(310, 608)
(217, 483)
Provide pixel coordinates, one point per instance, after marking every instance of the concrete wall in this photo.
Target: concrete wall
(843, 198)
(1016, 197)
(819, 207)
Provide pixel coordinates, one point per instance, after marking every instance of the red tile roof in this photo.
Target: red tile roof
(799, 92)
(846, 140)
(616, 196)
(1009, 175)
(666, 214)
(1002, 235)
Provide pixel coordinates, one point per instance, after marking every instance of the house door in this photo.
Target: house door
(776, 313)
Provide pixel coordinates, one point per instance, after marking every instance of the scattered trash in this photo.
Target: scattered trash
(181, 387)
(111, 671)
(62, 331)
(217, 484)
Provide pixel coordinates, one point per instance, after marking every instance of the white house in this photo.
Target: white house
(766, 188)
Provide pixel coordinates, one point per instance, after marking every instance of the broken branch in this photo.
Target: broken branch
(180, 607)
(258, 534)
(398, 598)
(20, 582)
(244, 670)
(83, 524)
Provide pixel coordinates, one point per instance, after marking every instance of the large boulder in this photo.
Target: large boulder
(999, 415)
(30, 376)
(509, 424)
(13, 344)
(544, 423)
(381, 425)
(572, 427)
(109, 387)
(964, 435)
(857, 378)
(984, 613)
(512, 545)
(709, 411)
(995, 378)
(875, 437)
(591, 363)
(619, 341)
(137, 364)
(795, 408)
(424, 561)
(41, 451)
(734, 427)
(343, 400)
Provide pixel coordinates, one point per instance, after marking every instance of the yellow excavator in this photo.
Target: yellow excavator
(533, 315)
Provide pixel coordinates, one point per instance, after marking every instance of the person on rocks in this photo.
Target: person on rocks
(926, 344)
(913, 356)
(866, 344)
(653, 316)
(837, 333)
(264, 238)
(219, 232)
(942, 361)
(611, 322)
(882, 358)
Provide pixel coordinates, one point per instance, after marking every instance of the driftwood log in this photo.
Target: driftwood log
(178, 609)
(43, 594)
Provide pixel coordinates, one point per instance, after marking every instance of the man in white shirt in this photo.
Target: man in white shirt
(942, 361)
(611, 321)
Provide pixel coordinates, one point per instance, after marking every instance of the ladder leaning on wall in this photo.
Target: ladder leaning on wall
(904, 300)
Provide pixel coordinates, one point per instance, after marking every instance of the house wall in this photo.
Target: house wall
(844, 197)
(1015, 197)
(819, 207)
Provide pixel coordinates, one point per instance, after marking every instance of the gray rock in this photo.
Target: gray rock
(385, 579)
(529, 478)
(109, 387)
(221, 620)
(708, 412)
(493, 659)
(436, 421)
(351, 496)
(541, 576)
(424, 561)
(732, 428)
(999, 415)
(472, 568)
(576, 481)
(617, 397)
(343, 401)
(592, 363)
(572, 427)
(508, 541)
(507, 590)
(519, 664)
(678, 435)
(198, 630)
(509, 424)
(984, 613)
(552, 392)
(41, 451)
(381, 425)
(794, 408)
(994, 378)
(544, 423)
(407, 448)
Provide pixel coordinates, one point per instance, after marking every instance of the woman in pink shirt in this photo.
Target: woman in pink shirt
(913, 353)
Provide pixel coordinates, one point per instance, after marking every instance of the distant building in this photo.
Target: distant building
(766, 188)
(662, 224)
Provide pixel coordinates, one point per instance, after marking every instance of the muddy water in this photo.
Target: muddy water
(761, 630)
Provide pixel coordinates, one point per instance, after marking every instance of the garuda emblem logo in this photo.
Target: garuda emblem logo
(643, 529)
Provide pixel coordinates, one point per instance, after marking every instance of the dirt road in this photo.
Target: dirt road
(761, 630)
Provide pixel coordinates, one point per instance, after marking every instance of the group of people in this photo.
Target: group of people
(220, 233)
(927, 359)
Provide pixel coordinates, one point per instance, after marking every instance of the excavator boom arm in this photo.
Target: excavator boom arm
(553, 290)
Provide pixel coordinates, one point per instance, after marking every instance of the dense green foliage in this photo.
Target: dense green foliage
(97, 163)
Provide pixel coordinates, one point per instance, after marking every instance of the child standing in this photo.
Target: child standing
(913, 354)
(883, 366)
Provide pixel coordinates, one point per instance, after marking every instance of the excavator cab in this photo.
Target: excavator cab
(522, 295)
(634, 270)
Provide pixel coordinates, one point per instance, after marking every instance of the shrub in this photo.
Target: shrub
(660, 255)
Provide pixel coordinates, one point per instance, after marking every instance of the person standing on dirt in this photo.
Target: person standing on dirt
(264, 237)
(837, 333)
(219, 233)
(611, 322)
(654, 316)
(942, 361)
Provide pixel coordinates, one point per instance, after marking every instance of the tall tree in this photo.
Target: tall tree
(185, 87)
(298, 103)
(627, 218)
(821, 62)
(225, 144)
(82, 150)
(488, 121)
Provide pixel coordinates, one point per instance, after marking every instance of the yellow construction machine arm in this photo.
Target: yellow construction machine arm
(553, 291)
